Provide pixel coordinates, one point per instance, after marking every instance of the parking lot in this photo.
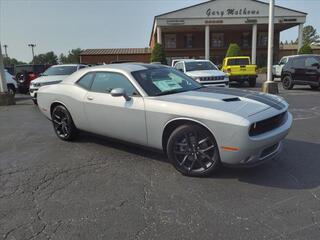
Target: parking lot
(95, 188)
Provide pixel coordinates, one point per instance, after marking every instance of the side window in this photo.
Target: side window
(82, 67)
(298, 62)
(311, 62)
(104, 82)
(86, 81)
(283, 61)
(179, 66)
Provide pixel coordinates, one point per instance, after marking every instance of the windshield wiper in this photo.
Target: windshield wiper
(170, 92)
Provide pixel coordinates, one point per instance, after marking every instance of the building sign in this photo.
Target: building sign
(175, 21)
(232, 12)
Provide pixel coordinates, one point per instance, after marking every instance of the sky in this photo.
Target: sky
(61, 25)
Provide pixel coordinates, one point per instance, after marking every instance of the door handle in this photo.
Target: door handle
(90, 98)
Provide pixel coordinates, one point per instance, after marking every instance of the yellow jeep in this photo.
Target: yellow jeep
(240, 69)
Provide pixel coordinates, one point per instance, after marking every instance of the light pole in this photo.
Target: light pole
(5, 50)
(32, 45)
(270, 86)
(5, 97)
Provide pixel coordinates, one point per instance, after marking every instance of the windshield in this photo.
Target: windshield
(199, 65)
(60, 70)
(163, 81)
(238, 61)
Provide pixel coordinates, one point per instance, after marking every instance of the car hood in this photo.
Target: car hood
(205, 73)
(52, 78)
(241, 102)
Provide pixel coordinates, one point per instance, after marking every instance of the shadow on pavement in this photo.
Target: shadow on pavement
(296, 168)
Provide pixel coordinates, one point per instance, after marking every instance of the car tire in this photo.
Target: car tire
(63, 124)
(314, 87)
(35, 101)
(11, 89)
(252, 82)
(193, 151)
(287, 83)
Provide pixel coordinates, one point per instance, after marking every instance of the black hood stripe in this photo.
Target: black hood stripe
(265, 99)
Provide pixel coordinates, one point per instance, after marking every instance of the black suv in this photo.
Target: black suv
(301, 70)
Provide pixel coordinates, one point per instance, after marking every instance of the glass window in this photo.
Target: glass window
(170, 40)
(60, 70)
(179, 66)
(164, 80)
(311, 62)
(246, 39)
(283, 61)
(238, 61)
(188, 41)
(262, 39)
(217, 40)
(200, 65)
(86, 81)
(298, 62)
(104, 82)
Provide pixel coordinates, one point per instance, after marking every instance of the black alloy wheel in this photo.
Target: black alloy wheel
(287, 83)
(63, 124)
(193, 151)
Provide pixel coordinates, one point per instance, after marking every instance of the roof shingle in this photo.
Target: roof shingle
(116, 51)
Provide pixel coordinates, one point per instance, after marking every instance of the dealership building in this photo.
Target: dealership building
(205, 30)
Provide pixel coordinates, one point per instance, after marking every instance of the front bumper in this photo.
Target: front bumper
(259, 149)
(224, 83)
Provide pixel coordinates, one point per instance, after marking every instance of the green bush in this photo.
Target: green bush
(305, 49)
(158, 54)
(233, 50)
(262, 70)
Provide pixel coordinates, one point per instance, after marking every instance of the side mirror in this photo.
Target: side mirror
(120, 92)
(317, 65)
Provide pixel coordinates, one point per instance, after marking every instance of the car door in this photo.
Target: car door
(115, 116)
(279, 67)
(298, 69)
(312, 68)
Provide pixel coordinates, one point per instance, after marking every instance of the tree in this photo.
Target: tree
(158, 54)
(310, 35)
(233, 50)
(8, 62)
(305, 49)
(45, 58)
(72, 57)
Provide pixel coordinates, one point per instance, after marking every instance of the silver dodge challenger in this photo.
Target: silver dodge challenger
(199, 128)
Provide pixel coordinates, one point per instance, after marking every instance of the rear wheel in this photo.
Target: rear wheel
(193, 151)
(287, 83)
(63, 124)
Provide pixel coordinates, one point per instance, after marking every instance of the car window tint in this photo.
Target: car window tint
(311, 62)
(283, 61)
(104, 82)
(86, 81)
(298, 62)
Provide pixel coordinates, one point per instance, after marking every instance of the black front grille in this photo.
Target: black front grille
(212, 78)
(267, 124)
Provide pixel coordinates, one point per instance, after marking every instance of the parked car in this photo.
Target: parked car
(11, 83)
(301, 70)
(25, 73)
(53, 75)
(203, 71)
(240, 69)
(277, 68)
(157, 106)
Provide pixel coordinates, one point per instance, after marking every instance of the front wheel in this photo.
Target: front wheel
(287, 83)
(63, 124)
(314, 87)
(193, 151)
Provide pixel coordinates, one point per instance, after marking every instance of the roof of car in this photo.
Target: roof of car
(195, 60)
(71, 65)
(129, 67)
(304, 55)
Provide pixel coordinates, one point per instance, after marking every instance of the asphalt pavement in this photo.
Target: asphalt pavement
(95, 188)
